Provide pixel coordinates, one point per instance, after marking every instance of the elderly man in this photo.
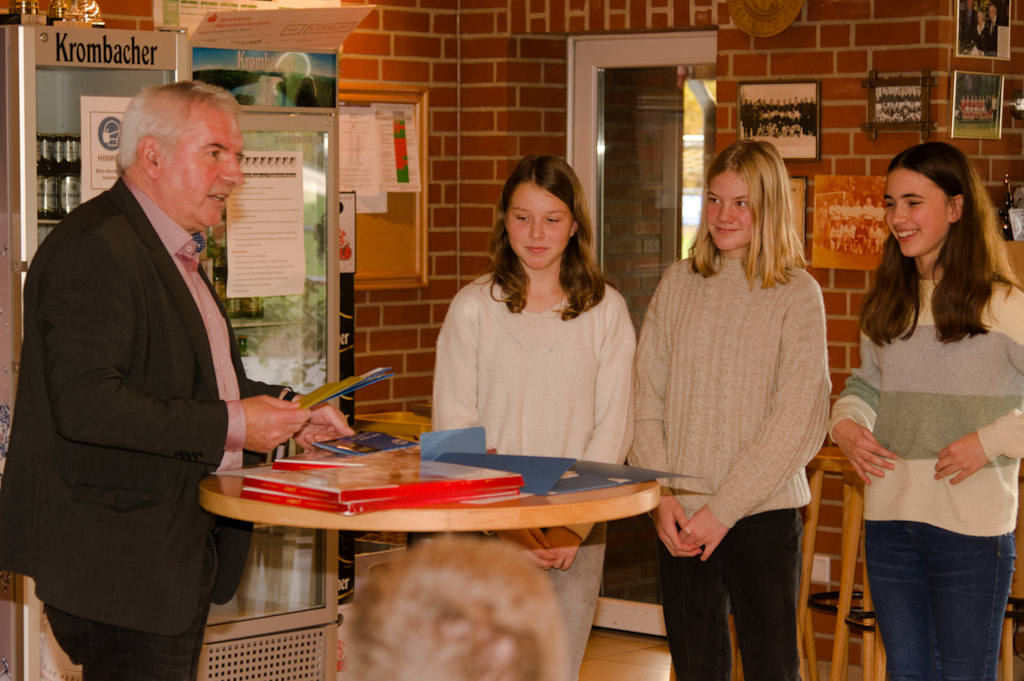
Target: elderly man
(130, 391)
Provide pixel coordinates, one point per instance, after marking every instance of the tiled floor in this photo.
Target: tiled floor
(618, 656)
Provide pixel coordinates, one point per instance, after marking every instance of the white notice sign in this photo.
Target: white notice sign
(101, 133)
(266, 248)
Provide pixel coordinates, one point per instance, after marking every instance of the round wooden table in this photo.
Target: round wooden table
(220, 495)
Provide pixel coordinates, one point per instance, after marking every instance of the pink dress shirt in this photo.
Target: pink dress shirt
(183, 251)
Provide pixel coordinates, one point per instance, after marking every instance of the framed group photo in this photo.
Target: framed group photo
(849, 229)
(899, 103)
(983, 28)
(977, 111)
(785, 113)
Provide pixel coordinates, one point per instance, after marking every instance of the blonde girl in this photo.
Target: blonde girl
(732, 391)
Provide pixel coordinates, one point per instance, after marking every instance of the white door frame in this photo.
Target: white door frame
(587, 54)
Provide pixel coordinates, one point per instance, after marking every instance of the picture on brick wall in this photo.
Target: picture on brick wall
(983, 28)
(899, 103)
(849, 222)
(977, 105)
(787, 114)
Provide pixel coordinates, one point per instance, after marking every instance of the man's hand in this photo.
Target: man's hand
(269, 421)
(325, 423)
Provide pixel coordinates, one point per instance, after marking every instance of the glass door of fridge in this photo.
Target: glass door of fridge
(287, 584)
(290, 580)
(288, 339)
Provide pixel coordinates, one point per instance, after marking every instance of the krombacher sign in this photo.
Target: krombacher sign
(104, 48)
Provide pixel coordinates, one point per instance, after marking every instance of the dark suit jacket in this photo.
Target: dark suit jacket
(116, 420)
(968, 28)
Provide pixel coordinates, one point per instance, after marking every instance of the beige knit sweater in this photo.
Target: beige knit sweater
(732, 388)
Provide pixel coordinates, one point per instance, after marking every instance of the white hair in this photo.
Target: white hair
(162, 111)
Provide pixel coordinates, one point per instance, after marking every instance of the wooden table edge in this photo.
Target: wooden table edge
(220, 495)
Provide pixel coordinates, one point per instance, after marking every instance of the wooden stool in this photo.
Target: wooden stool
(1014, 614)
(831, 460)
(872, 652)
(828, 460)
(853, 521)
(1016, 605)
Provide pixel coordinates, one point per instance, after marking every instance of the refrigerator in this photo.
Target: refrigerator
(60, 93)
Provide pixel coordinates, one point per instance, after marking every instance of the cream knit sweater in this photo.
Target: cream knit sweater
(539, 385)
(732, 389)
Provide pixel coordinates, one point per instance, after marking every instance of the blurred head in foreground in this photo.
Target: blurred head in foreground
(457, 609)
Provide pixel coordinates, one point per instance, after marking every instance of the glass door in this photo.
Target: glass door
(288, 339)
(642, 127)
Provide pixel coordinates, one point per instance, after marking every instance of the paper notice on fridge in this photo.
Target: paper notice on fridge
(282, 29)
(358, 150)
(399, 145)
(101, 131)
(187, 14)
(266, 251)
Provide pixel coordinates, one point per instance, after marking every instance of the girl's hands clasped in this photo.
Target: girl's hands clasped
(669, 518)
(863, 450)
(964, 457)
(706, 531)
(555, 547)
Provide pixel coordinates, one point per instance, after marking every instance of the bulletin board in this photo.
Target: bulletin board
(391, 246)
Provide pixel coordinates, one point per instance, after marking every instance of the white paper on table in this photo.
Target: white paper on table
(266, 249)
(101, 119)
(391, 117)
(359, 168)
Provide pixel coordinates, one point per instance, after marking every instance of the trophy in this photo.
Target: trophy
(84, 12)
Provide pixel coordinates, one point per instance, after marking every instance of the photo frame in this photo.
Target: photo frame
(983, 28)
(899, 103)
(1017, 223)
(785, 113)
(849, 230)
(977, 110)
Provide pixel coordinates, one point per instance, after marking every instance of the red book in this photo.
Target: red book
(387, 475)
(382, 504)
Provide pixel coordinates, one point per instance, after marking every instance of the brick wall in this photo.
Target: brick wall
(496, 71)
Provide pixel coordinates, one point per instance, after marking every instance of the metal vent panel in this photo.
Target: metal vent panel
(290, 656)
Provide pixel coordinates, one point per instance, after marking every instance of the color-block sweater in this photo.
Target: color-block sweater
(919, 395)
(732, 389)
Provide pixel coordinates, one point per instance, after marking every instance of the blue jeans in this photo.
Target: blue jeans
(111, 653)
(756, 571)
(940, 598)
